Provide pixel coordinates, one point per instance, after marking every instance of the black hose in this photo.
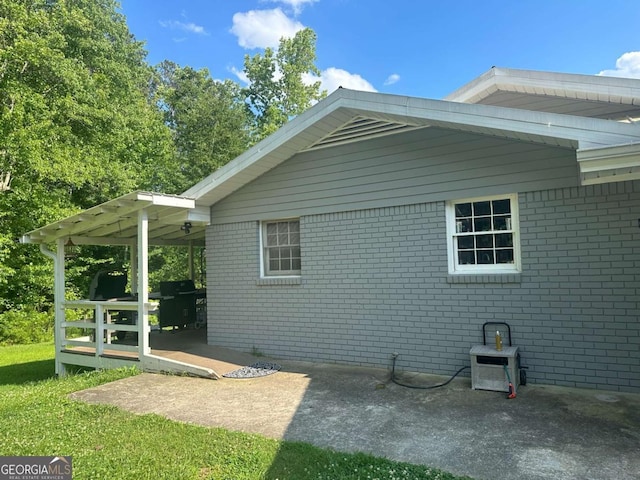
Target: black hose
(429, 387)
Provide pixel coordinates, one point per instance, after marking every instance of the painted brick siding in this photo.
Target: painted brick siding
(375, 282)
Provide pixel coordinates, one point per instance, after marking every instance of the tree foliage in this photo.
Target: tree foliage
(84, 118)
(208, 119)
(76, 125)
(281, 85)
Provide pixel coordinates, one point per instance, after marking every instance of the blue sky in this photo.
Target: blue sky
(409, 47)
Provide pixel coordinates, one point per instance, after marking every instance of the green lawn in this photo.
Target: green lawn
(38, 418)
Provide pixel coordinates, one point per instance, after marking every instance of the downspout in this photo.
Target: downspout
(58, 298)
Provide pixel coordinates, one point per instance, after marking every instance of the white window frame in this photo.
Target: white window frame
(265, 272)
(452, 235)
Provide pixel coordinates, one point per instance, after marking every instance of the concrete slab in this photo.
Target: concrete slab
(545, 433)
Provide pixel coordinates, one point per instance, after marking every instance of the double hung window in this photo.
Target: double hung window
(483, 235)
(281, 248)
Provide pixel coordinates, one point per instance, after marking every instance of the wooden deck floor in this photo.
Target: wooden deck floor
(190, 346)
(187, 346)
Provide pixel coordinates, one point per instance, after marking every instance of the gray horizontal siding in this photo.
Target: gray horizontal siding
(414, 167)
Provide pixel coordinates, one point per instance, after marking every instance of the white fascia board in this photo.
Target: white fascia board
(586, 131)
(614, 163)
(161, 199)
(573, 131)
(568, 85)
(270, 145)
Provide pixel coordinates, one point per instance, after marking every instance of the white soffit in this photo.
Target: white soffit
(616, 163)
(116, 222)
(595, 96)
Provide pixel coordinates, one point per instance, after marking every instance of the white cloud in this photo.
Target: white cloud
(628, 65)
(332, 78)
(391, 79)
(263, 28)
(186, 27)
(296, 5)
(240, 74)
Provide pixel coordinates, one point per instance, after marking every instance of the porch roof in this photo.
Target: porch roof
(116, 222)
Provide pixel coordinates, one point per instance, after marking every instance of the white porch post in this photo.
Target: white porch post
(59, 333)
(143, 283)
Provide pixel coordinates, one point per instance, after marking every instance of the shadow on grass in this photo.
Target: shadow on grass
(20, 373)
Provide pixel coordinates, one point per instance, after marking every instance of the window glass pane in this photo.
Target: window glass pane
(501, 206)
(504, 256)
(466, 258)
(485, 257)
(484, 232)
(502, 223)
(504, 240)
(482, 224)
(463, 210)
(481, 208)
(282, 247)
(465, 243)
(463, 225)
(484, 241)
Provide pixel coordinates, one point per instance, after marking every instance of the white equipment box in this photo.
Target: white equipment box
(487, 368)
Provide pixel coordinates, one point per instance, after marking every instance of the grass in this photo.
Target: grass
(38, 418)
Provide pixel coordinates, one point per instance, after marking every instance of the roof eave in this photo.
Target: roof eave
(615, 163)
(343, 105)
(568, 85)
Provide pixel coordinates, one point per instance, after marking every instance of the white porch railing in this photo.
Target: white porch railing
(98, 350)
(98, 319)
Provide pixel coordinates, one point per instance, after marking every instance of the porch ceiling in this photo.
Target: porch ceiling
(116, 222)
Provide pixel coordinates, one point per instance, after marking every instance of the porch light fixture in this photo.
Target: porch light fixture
(186, 228)
(70, 249)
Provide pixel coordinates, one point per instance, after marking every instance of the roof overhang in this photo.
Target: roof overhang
(348, 116)
(116, 222)
(615, 163)
(596, 96)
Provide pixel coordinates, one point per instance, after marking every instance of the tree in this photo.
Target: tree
(77, 126)
(280, 86)
(208, 119)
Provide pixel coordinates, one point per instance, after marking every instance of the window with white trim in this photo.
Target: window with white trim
(281, 248)
(483, 235)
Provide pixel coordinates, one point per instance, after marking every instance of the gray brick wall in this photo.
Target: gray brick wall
(376, 282)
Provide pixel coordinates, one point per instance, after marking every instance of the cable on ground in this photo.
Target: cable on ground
(420, 387)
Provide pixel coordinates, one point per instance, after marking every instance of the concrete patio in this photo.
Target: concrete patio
(545, 433)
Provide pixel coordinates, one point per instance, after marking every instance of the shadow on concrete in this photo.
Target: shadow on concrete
(545, 433)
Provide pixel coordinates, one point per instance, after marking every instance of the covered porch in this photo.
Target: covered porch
(87, 331)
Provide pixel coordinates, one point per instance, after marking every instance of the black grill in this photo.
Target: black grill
(177, 303)
(108, 285)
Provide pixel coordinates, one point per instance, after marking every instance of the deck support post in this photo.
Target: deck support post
(143, 283)
(59, 332)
